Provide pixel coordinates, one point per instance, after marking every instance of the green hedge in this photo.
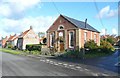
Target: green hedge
(33, 47)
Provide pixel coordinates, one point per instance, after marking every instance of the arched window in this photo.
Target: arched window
(61, 27)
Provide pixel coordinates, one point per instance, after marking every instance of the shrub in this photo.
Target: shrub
(90, 47)
(90, 44)
(14, 48)
(44, 40)
(106, 46)
(10, 46)
(33, 47)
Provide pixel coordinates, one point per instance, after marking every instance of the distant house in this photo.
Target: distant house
(4, 42)
(27, 37)
(42, 37)
(0, 43)
(12, 40)
(69, 33)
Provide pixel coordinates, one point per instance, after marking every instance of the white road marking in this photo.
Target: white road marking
(78, 67)
(47, 60)
(55, 63)
(94, 74)
(51, 61)
(71, 65)
(105, 74)
(60, 63)
(43, 60)
(73, 68)
(65, 64)
(87, 70)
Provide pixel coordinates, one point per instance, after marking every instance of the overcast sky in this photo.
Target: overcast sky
(17, 16)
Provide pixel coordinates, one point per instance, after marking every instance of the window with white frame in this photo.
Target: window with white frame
(71, 39)
(85, 37)
(52, 36)
(95, 38)
(61, 27)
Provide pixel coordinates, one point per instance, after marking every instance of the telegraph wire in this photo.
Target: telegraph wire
(56, 7)
(99, 16)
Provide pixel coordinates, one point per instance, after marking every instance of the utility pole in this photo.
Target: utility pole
(105, 31)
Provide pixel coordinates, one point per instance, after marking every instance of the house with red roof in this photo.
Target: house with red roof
(12, 40)
(69, 33)
(27, 37)
(4, 42)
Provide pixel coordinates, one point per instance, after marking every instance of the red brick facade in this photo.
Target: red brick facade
(67, 28)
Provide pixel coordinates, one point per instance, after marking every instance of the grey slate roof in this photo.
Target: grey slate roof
(80, 24)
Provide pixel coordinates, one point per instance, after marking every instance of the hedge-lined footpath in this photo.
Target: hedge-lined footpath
(11, 51)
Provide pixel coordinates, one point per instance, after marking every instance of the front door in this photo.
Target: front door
(61, 40)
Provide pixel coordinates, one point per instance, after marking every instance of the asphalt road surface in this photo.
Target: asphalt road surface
(14, 65)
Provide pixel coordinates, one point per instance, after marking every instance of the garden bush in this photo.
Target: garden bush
(10, 46)
(106, 47)
(91, 44)
(34, 47)
(14, 48)
(90, 47)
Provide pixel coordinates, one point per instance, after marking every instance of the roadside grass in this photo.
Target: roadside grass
(18, 52)
(11, 51)
(94, 55)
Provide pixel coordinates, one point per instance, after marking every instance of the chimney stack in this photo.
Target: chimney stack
(86, 23)
(15, 35)
(6, 37)
(31, 27)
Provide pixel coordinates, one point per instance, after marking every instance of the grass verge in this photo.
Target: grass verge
(93, 55)
(11, 51)
(18, 52)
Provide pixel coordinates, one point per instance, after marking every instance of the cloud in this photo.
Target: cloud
(40, 24)
(103, 32)
(16, 8)
(114, 31)
(106, 12)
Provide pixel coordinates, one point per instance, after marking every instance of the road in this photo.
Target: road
(14, 65)
(0, 64)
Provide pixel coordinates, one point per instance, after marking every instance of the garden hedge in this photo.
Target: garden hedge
(33, 47)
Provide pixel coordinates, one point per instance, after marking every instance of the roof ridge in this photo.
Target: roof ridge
(76, 21)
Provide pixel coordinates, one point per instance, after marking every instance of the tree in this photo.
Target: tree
(44, 40)
(41, 34)
(110, 38)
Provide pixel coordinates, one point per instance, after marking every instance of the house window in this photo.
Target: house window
(61, 27)
(95, 38)
(52, 37)
(85, 37)
(71, 39)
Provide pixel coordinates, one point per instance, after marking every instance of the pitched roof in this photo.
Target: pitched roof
(80, 24)
(12, 38)
(24, 33)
